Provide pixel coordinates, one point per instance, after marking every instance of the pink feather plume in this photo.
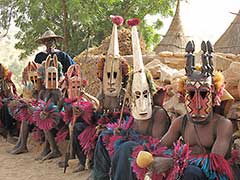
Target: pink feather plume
(133, 22)
(118, 20)
(153, 146)
(88, 139)
(46, 115)
(181, 155)
(61, 135)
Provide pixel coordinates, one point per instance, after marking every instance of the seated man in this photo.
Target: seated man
(150, 119)
(78, 114)
(46, 114)
(8, 125)
(22, 109)
(207, 133)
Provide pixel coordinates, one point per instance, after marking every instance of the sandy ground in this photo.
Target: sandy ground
(24, 167)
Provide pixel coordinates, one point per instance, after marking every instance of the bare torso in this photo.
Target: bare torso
(157, 126)
(110, 103)
(200, 137)
(214, 136)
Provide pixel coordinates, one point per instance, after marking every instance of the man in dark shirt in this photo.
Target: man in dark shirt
(49, 39)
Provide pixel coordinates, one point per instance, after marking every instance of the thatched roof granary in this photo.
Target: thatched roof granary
(229, 42)
(175, 39)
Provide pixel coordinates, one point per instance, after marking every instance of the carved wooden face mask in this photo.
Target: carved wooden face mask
(142, 100)
(199, 96)
(34, 78)
(51, 73)
(112, 76)
(198, 86)
(74, 81)
(141, 105)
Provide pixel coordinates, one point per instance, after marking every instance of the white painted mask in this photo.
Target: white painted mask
(141, 106)
(112, 76)
(74, 81)
(51, 73)
(141, 97)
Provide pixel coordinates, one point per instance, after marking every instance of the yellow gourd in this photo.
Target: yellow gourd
(144, 159)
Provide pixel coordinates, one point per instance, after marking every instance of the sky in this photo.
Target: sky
(205, 19)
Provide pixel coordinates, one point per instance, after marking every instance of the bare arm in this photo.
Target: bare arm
(162, 164)
(161, 123)
(92, 99)
(173, 133)
(223, 139)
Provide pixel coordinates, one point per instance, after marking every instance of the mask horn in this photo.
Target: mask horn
(70, 71)
(113, 49)
(78, 70)
(47, 64)
(190, 58)
(210, 57)
(35, 66)
(204, 57)
(55, 61)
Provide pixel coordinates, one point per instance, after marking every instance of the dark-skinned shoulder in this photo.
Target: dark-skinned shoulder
(178, 120)
(223, 123)
(160, 111)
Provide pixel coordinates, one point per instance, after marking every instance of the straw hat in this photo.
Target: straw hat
(49, 34)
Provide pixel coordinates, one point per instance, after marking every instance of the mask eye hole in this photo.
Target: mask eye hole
(31, 79)
(115, 75)
(145, 93)
(108, 75)
(203, 94)
(191, 93)
(138, 94)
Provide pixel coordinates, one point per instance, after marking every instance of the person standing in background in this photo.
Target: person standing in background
(49, 39)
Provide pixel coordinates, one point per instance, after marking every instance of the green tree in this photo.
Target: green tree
(77, 20)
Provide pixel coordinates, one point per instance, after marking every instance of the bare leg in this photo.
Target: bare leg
(16, 145)
(54, 153)
(19, 139)
(23, 137)
(3, 133)
(46, 150)
(79, 168)
(18, 142)
(72, 151)
(11, 139)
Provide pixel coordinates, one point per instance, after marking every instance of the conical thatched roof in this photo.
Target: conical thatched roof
(229, 42)
(174, 40)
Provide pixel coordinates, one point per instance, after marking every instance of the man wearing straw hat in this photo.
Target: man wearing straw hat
(49, 39)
